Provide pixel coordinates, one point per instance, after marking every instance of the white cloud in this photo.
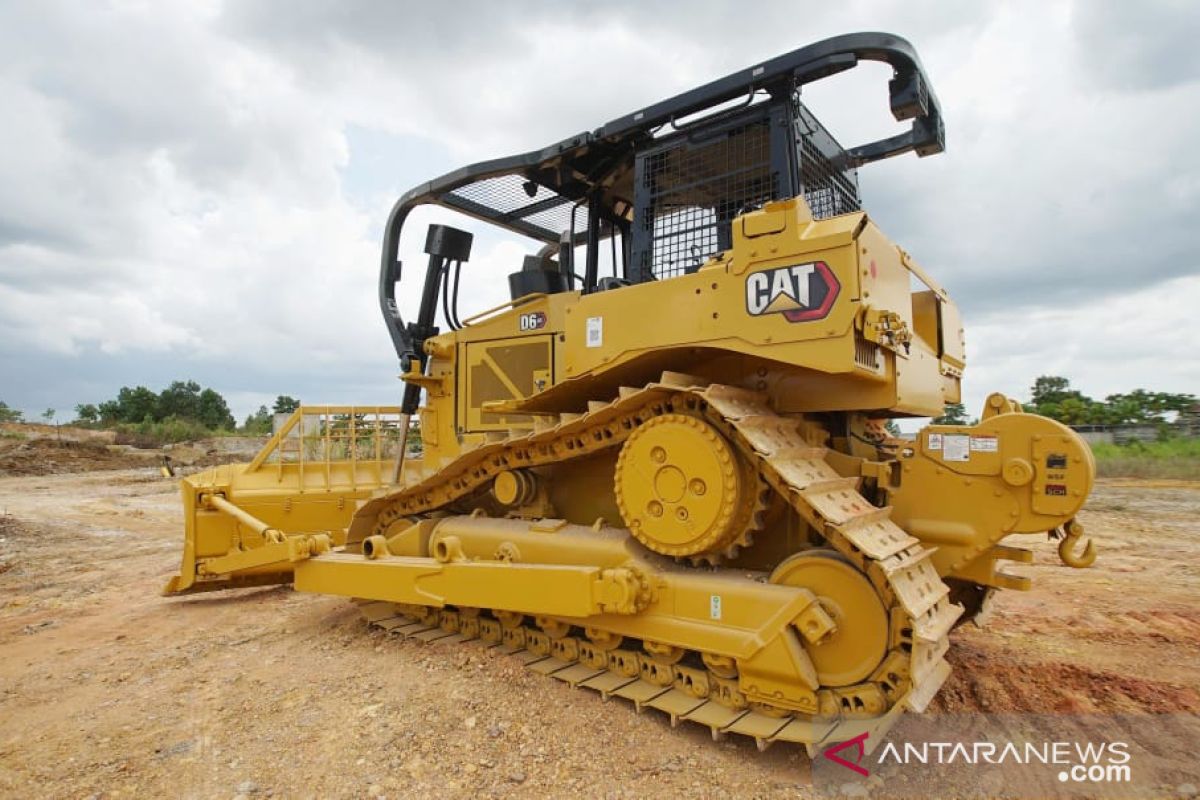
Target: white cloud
(177, 182)
(1136, 338)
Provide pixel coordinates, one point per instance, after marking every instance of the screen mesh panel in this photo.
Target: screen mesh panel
(693, 189)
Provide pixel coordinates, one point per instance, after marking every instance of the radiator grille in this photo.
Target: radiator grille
(866, 355)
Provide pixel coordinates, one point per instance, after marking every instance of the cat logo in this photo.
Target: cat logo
(801, 293)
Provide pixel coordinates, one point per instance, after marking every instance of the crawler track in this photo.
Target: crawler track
(898, 566)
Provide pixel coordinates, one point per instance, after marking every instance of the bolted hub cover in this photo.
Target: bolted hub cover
(681, 488)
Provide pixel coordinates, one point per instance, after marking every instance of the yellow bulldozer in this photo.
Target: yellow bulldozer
(662, 470)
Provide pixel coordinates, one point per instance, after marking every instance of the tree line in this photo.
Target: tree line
(1052, 396)
(185, 402)
(181, 400)
(183, 411)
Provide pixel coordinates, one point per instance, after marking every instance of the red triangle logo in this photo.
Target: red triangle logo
(857, 742)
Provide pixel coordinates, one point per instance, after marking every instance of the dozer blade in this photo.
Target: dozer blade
(245, 525)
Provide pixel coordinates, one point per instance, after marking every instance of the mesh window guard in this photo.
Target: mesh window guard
(830, 186)
(693, 189)
(507, 199)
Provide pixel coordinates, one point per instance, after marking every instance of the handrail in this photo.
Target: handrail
(275, 440)
(520, 301)
(274, 444)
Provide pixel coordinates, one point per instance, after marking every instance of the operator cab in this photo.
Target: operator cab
(653, 194)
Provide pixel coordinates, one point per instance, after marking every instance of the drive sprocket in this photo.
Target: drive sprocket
(683, 491)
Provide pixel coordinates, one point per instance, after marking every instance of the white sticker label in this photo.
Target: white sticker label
(935, 441)
(714, 606)
(985, 444)
(956, 447)
(595, 331)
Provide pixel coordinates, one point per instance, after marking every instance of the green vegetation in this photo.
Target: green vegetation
(953, 414)
(9, 414)
(172, 430)
(183, 411)
(1171, 458)
(1053, 397)
(285, 404)
(182, 400)
(260, 423)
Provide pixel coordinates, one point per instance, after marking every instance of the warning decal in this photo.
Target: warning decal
(956, 447)
(935, 441)
(985, 444)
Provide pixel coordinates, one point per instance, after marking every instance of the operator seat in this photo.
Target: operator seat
(538, 274)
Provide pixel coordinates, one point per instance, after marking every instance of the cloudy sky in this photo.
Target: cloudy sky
(197, 189)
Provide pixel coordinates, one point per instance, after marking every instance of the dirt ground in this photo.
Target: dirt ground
(50, 456)
(28, 449)
(109, 690)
